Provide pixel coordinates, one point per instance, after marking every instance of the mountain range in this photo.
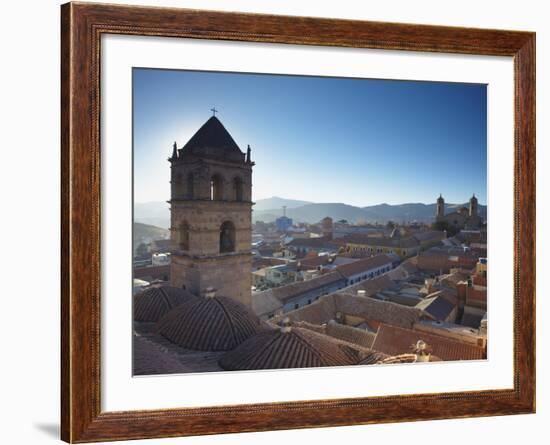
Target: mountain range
(267, 210)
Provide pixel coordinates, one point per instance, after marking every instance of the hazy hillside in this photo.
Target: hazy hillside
(267, 210)
(277, 203)
(312, 213)
(382, 213)
(155, 213)
(144, 233)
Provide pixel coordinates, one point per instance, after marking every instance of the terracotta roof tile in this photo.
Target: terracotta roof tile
(394, 340)
(371, 287)
(325, 309)
(210, 324)
(295, 348)
(290, 291)
(378, 241)
(265, 303)
(155, 302)
(363, 265)
(376, 310)
(437, 306)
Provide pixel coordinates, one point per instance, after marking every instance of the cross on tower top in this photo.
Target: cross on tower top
(214, 111)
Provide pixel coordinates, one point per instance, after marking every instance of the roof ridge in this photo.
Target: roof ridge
(165, 297)
(276, 337)
(308, 343)
(228, 317)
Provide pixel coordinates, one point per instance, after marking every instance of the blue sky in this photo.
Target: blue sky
(320, 139)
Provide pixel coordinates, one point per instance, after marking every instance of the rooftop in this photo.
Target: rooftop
(394, 340)
(376, 241)
(436, 306)
(210, 324)
(290, 291)
(212, 140)
(290, 347)
(153, 303)
(326, 308)
(363, 265)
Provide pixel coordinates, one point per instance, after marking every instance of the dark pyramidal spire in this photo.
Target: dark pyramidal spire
(213, 135)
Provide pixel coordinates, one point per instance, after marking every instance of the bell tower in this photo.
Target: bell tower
(440, 208)
(211, 214)
(473, 206)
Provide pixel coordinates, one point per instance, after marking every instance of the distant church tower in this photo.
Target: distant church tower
(440, 208)
(211, 209)
(473, 206)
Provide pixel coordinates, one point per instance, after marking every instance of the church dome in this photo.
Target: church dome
(210, 324)
(153, 303)
(287, 347)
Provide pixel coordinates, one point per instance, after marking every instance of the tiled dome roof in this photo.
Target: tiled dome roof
(155, 302)
(210, 324)
(288, 347)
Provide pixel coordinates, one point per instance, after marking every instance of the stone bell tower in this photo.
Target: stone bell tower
(440, 208)
(211, 214)
(473, 206)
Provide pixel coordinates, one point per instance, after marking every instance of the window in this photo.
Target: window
(216, 188)
(227, 237)
(184, 236)
(238, 189)
(190, 186)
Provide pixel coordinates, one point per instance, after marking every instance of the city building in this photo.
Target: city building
(327, 227)
(301, 293)
(363, 245)
(153, 273)
(303, 246)
(341, 230)
(353, 309)
(395, 340)
(439, 306)
(161, 245)
(283, 223)
(442, 259)
(463, 218)
(160, 259)
(365, 269)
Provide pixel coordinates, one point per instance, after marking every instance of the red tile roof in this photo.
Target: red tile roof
(285, 293)
(394, 340)
(363, 265)
(210, 324)
(294, 348)
(313, 262)
(155, 302)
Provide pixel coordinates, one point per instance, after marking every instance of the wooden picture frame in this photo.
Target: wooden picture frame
(82, 25)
